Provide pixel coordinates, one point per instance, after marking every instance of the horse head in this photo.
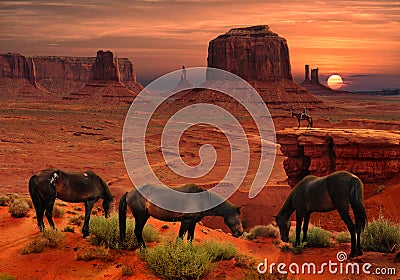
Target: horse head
(234, 221)
(284, 227)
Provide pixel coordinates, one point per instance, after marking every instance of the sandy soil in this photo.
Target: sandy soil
(37, 135)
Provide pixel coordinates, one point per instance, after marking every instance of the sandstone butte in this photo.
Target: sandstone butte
(68, 77)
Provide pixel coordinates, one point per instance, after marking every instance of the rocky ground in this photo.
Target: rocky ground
(38, 134)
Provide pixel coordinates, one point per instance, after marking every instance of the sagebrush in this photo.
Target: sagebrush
(316, 237)
(18, 208)
(106, 232)
(48, 238)
(177, 259)
(262, 231)
(381, 235)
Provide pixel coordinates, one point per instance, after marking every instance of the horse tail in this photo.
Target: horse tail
(37, 201)
(357, 203)
(122, 217)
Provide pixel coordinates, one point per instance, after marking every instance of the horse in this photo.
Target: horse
(324, 194)
(86, 187)
(142, 208)
(308, 118)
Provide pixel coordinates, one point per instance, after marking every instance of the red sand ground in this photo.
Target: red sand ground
(37, 135)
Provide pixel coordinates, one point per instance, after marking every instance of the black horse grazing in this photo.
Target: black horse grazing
(306, 117)
(143, 208)
(86, 187)
(323, 194)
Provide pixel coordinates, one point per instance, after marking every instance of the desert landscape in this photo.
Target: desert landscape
(69, 112)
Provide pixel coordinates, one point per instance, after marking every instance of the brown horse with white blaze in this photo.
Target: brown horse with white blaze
(86, 187)
(139, 200)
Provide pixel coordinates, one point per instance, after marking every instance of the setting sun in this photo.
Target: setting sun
(335, 82)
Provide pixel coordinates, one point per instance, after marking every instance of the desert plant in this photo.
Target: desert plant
(76, 220)
(58, 212)
(6, 276)
(18, 208)
(4, 200)
(219, 251)
(316, 237)
(61, 203)
(176, 259)
(127, 270)
(90, 254)
(379, 189)
(343, 237)
(48, 238)
(262, 231)
(106, 232)
(69, 229)
(298, 249)
(381, 235)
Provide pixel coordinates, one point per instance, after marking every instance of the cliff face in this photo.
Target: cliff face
(65, 75)
(373, 155)
(253, 53)
(15, 65)
(261, 57)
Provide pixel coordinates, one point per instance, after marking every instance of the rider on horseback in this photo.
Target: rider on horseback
(303, 114)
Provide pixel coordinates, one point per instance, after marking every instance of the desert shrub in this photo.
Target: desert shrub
(381, 235)
(316, 237)
(69, 229)
(127, 270)
(298, 249)
(285, 248)
(106, 232)
(48, 238)
(29, 201)
(245, 261)
(76, 220)
(262, 231)
(58, 212)
(61, 203)
(18, 208)
(176, 259)
(6, 276)
(219, 251)
(343, 237)
(379, 189)
(100, 253)
(4, 201)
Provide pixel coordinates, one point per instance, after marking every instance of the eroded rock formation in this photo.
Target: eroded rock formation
(373, 155)
(261, 57)
(68, 75)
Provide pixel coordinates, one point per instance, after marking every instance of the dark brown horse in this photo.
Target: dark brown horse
(143, 208)
(86, 187)
(306, 117)
(337, 191)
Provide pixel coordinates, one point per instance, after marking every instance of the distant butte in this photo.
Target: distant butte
(261, 57)
(68, 77)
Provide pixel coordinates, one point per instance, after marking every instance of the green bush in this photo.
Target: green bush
(69, 229)
(177, 259)
(316, 237)
(76, 220)
(381, 235)
(262, 231)
(219, 251)
(18, 208)
(48, 238)
(106, 232)
(58, 212)
(6, 276)
(343, 237)
(4, 201)
(90, 254)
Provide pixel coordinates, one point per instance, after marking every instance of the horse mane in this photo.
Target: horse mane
(287, 208)
(106, 189)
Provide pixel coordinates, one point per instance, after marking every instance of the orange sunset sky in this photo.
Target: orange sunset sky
(360, 40)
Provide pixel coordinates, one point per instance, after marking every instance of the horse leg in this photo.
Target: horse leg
(39, 216)
(185, 224)
(359, 250)
(299, 123)
(344, 214)
(305, 226)
(88, 210)
(49, 212)
(191, 228)
(140, 221)
(299, 220)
